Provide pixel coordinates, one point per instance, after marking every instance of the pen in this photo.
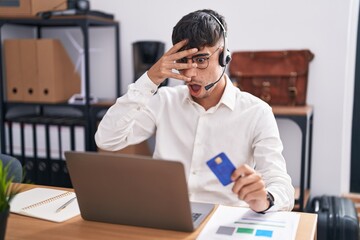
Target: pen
(65, 204)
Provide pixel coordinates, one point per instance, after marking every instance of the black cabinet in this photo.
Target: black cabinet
(43, 168)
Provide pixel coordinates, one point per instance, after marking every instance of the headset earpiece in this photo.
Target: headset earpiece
(224, 60)
(227, 57)
(221, 56)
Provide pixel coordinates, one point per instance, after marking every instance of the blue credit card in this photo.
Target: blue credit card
(222, 167)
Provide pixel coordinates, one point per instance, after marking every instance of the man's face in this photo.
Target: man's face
(208, 71)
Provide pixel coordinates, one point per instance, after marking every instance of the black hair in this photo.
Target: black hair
(200, 28)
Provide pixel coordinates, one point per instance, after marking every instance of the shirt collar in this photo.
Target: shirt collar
(228, 97)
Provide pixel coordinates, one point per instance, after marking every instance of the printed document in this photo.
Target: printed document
(243, 223)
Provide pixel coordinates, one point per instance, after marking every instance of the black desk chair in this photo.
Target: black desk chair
(15, 167)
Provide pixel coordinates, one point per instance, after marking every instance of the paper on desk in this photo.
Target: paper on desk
(43, 202)
(243, 223)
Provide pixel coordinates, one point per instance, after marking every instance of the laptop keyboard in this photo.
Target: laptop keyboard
(195, 216)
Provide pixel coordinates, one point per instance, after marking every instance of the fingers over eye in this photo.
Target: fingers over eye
(183, 54)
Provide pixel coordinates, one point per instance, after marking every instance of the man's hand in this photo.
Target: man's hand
(162, 69)
(250, 187)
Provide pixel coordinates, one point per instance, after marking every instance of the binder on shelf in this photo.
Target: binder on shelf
(29, 140)
(55, 147)
(7, 138)
(15, 137)
(15, 89)
(58, 80)
(30, 163)
(43, 171)
(29, 69)
(42, 161)
(65, 140)
(77, 134)
(59, 175)
(66, 176)
(56, 175)
(40, 141)
(66, 134)
(79, 138)
(30, 170)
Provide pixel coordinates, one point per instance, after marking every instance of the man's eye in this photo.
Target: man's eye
(200, 60)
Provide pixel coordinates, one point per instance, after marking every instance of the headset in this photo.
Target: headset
(224, 58)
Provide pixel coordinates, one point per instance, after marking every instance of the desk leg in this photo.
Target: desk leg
(310, 149)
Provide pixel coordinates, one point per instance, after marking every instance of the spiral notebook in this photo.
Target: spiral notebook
(46, 203)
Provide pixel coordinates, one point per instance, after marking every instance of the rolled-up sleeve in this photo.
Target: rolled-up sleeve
(129, 120)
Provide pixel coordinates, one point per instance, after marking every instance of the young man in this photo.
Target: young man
(206, 116)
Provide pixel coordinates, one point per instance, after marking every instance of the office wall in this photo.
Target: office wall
(328, 28)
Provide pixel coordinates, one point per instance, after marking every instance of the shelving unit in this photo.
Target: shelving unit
(82, 114)
(303, 117)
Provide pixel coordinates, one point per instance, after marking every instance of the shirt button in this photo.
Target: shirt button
(152, 91)
(194, 172)
(138, 108)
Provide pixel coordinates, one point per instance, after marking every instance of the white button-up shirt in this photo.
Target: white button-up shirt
(240, 125)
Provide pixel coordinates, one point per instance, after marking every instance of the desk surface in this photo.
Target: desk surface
(22, 227)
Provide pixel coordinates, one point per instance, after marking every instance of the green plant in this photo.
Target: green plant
(8, 190)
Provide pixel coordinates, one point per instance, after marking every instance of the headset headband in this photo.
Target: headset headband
(225, 56)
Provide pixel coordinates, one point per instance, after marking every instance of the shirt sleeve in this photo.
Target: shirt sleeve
(129, 120)
(270, 163)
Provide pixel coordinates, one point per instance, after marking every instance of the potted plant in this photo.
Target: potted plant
(7, 191)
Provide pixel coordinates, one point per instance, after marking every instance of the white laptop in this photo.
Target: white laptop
(134, 190)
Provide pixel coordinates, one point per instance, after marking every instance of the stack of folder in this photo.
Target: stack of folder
(39, 71)
(40, 142)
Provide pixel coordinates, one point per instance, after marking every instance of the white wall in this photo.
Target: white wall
(327, 28)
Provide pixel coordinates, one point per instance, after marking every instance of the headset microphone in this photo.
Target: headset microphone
(207, 87)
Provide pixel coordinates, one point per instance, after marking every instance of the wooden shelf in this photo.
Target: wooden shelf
(293, 110)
